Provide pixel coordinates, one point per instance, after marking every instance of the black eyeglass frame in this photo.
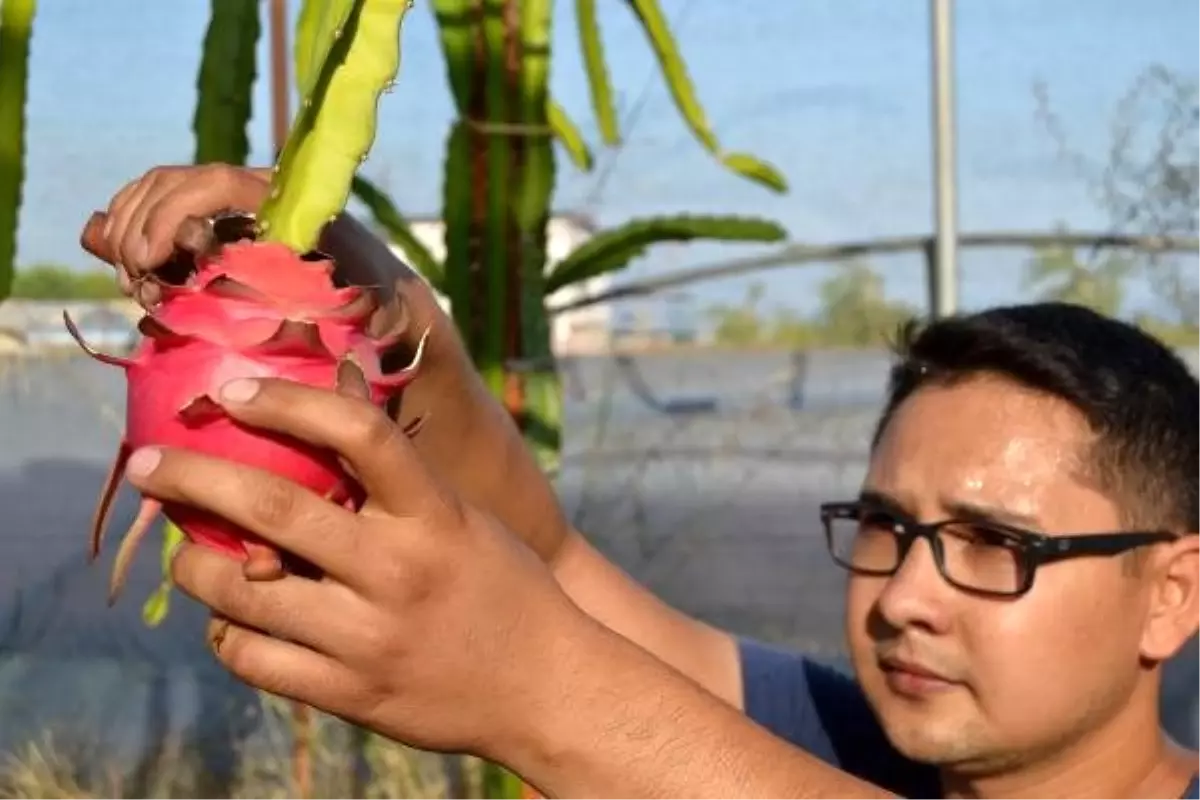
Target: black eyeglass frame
(1033, 549)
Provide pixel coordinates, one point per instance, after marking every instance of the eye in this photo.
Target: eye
(980, 535)
(878, 521)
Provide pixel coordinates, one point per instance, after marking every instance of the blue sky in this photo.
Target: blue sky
(834, 92)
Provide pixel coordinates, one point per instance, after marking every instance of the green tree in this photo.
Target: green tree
(56, 282)
(739, 325)
(854, 309)
(854, 312)
(1057, 273)
(1148, 180)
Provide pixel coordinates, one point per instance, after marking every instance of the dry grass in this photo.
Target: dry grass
(346, 762)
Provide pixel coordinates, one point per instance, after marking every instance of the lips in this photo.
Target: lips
(913, 679)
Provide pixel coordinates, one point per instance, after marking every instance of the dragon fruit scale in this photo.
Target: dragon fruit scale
(250, 309)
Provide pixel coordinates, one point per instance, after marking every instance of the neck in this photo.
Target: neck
(1128, 757)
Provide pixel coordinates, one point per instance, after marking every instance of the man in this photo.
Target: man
(1021, 560)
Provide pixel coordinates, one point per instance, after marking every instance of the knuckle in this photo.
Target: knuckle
(160, 173)
(273, 505)
(220, 173)
(369, 428)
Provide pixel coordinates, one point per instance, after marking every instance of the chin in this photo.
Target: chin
(939, 731)
(950, 742)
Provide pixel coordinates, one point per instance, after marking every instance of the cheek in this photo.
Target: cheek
(862, 595)
(1050, 659)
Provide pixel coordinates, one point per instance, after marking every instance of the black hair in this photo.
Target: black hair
(1138, 396)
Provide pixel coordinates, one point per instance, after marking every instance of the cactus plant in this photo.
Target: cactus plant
(16, 27)
(225, 82)
(357, 47)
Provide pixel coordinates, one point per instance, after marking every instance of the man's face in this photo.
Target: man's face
(1006, 678)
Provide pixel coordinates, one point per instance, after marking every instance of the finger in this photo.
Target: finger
(148, 293)
(283, 668)
(117, 202)
(276, 509)
(179, 193)
(211, 190)
(120, 216)
(375, 447)
(125, 283)
(193, 235)
(215, 188)
(310, 613)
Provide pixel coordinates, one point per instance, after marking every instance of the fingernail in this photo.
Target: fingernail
(143, 462)
(218, 631)
(239, 390)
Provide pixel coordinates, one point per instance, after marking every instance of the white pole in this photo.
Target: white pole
(944, 269)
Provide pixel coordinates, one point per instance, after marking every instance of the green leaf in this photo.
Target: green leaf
(155, 609)
(16, 27)
(388, 217)
(173, 536)
(655, 26)
(335, 128)
(225, 83)
(315, 27)
(613, 249)
(756, 170)
(597, 71)
(568, 135)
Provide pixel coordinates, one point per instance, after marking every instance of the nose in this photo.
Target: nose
(917, 594)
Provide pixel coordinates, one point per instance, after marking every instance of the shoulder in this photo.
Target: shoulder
(823, 711)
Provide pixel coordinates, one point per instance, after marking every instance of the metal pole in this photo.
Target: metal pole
(280, 117)
(944, 270)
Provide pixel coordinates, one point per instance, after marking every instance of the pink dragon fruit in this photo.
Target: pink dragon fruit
(250, 309)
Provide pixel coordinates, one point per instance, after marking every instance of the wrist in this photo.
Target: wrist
(602, 703)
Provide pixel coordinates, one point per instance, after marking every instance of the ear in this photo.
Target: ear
(1174, 611)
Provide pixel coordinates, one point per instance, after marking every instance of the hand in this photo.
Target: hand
(432, 624)
(468, 439)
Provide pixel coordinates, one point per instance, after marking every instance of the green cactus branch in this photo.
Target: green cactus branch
(385, 213)
(655, 26)
(613, 249)
(335, 128)
(225, 82)
(316, 25)
(597, 71)
(568, 135)
(541, 408)
(16, 28)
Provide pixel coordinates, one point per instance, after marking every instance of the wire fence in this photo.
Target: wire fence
(697, 471)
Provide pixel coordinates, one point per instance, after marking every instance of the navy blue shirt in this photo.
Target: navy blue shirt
(824, 712)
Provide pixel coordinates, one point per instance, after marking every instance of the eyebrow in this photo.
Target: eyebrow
(957, 509)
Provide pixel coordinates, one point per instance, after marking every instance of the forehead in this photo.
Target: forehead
(989, 442)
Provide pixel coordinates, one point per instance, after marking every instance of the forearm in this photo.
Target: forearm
(616, 722)
(472, 441)
(601, 589)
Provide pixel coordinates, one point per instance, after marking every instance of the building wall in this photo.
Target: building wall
(581, 331)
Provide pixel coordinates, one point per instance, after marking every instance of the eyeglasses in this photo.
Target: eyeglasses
(984, 558)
